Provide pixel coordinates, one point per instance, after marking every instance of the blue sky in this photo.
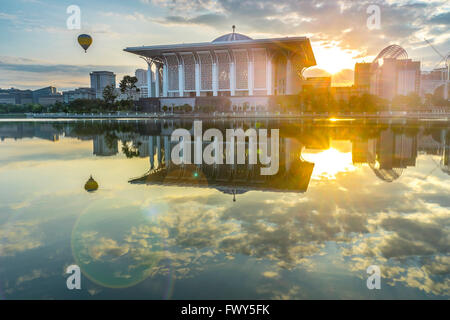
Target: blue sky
(37, 49)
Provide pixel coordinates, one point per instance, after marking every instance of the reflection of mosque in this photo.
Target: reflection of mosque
(445, 152)
(387, 149)
(293, 175)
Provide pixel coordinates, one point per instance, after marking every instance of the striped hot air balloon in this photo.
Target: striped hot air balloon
(85, 41)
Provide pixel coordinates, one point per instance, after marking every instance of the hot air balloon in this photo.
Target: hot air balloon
(85, 41)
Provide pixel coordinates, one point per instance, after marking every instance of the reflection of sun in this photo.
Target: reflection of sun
(328, 163)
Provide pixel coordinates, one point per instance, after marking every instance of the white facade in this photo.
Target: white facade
(232, 65)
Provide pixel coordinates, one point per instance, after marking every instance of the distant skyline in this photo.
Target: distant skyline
(38, 50)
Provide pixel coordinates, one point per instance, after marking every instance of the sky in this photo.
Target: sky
(37, 49)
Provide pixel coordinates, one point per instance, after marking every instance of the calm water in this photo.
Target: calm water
(347, 195)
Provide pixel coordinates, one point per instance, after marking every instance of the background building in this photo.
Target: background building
(396, 77)
(432, 80)
(16, 96)
(362, 76)
(80, 93)
(317, 82)
(101, 79)
(142, 84)
(47, 96)
(392, 73)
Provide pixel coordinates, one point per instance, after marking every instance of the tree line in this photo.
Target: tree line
(309, 100)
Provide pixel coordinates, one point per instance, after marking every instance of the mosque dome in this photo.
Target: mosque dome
(233, 36)
(91, 185)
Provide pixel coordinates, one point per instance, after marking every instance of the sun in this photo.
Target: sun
(333, 59)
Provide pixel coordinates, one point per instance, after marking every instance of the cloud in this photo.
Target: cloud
(217, 20)
(345, 20)
(31, 73)
(441, 19)
(33, 66)
(6, 16)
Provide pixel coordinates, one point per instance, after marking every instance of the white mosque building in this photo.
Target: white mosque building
(247, 71)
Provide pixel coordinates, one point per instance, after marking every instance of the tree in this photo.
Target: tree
(130, 150)
(109, 94)
(413, 100)
(368, 103)
(128, 86)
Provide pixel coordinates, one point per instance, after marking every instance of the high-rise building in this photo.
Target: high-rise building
(141, 76)
(395, 77)
(101, 79)
(408, 76)
(142, 83)
(362, 76)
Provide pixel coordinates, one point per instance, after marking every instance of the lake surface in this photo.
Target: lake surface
(348, 195)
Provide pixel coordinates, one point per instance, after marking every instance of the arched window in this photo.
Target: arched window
(223, 70)
(205, 70)
(241, 69)
(189, 72)
(259, 67)
(172, 68)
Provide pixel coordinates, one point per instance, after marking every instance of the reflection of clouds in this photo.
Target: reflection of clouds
(270, 274)
(408, 237)
(410, 251)
(413, 237)
(18, 236)
(35, 274)
(291, 292)
(403, 227)
(107, 247)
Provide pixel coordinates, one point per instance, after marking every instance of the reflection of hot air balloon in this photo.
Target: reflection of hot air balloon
(85, 41)
(91, 185)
